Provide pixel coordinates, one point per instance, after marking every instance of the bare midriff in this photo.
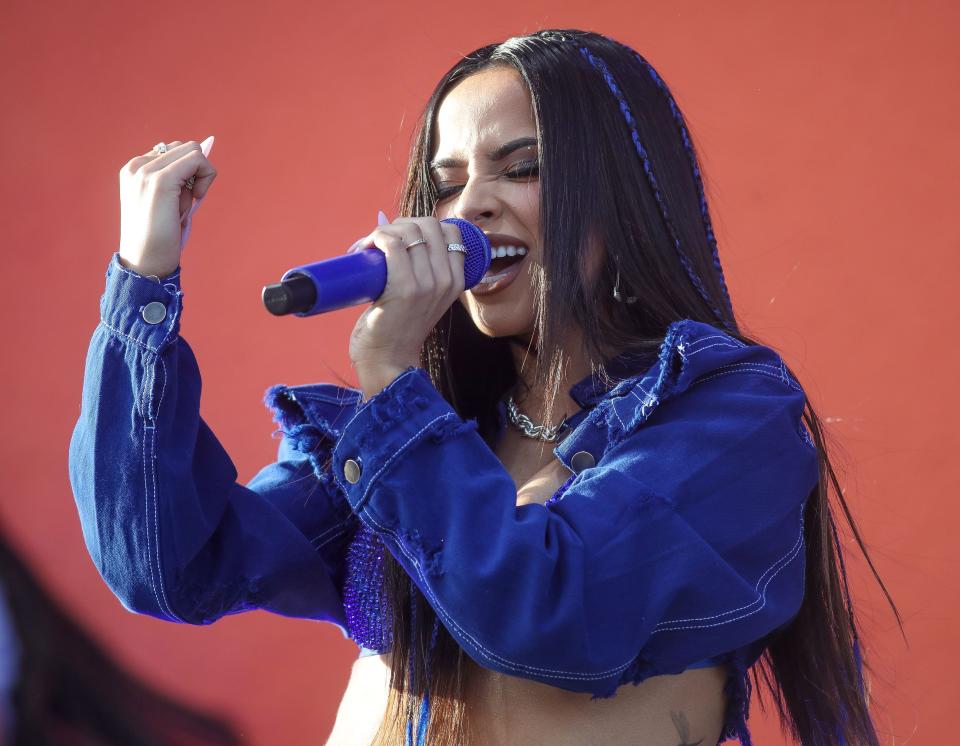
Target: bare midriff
(686, 708)
(682, 709)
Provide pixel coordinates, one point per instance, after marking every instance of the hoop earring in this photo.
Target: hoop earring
(617, 296)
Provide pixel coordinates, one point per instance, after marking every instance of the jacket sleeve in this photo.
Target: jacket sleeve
(683, 541)
(166, 523)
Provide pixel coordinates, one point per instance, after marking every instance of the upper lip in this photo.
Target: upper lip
(501, 239)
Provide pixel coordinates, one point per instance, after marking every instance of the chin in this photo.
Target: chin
(499, 320)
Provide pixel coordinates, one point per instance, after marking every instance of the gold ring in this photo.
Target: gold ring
(416, 243)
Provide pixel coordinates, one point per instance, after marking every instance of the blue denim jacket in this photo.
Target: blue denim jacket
(678, 536)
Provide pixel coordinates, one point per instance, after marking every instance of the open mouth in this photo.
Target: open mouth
(503, 258)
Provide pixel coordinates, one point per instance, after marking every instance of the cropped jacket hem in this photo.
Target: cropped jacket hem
(678, 536)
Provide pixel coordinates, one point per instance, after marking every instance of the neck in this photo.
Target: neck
(529, 397)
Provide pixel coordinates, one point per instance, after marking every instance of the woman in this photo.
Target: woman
(502, 590)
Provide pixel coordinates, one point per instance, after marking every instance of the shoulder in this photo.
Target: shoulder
(703, 369)
(710, 403)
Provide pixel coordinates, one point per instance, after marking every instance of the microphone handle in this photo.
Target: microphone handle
(359, 277)
(329, 285)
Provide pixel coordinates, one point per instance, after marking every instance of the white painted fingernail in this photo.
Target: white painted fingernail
(382, 218)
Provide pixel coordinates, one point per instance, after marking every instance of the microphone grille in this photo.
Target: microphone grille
(477, 259)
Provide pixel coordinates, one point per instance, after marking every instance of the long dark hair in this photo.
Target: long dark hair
(69, 689)
(616, 153)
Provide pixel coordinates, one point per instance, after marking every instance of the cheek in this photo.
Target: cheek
(532, 195)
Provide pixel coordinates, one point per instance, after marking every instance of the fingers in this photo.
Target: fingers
(447, 266)
(182, 161)
(456, 259)
(433, 232)
(424, 269)
(401, 281)
(151, 161)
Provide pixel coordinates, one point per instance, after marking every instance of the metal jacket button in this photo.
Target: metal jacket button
(154, 312)
(582, 460)
(351, 471)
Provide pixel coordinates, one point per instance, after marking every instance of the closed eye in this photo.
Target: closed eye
(525, 170)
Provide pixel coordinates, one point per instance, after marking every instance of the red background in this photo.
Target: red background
(828, 134)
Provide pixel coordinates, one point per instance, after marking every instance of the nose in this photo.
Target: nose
(477, 201)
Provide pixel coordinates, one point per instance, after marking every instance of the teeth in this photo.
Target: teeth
(500, 251)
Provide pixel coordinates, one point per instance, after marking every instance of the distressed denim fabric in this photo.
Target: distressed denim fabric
(164, 520)
(678, 537)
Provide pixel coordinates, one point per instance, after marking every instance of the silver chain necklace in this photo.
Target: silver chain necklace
(527, 426)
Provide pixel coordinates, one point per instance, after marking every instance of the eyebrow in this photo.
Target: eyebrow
(499, 154)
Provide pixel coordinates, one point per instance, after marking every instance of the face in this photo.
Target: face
(486, 169)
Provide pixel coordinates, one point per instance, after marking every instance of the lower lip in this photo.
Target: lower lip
(508, 276)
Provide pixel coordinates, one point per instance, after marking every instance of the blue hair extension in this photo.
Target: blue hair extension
(424, 720)
(688, 146)
(413, 662)
(598, 63)
(424, 717)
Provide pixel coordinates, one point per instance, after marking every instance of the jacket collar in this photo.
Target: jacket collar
(590, 389)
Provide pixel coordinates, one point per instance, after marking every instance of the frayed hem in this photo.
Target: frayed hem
(737, 690)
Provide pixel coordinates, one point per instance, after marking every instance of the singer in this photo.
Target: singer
(573, 504)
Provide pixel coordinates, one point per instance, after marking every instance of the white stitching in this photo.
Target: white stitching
(742, 616)
(156, 496)
(326, 531)
(697, 340)
(761, 368)
(163, 606)
(549, 672)
(343, 526)
(173, 318)
(650, 402)
(734, 372)
(389, 461)
(362, 405)
(144, 277)
(146, 513)
(713, 344)
(366, 515)
(727, 341)
(639, 386)
(493, 656)
(156, 492)
(127, 336)
(622, 424)
(785, 559)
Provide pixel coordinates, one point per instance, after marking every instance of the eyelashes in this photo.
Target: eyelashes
(522, 171)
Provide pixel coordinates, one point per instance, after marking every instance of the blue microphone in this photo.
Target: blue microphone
(359, 277)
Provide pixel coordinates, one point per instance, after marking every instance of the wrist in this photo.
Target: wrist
(146, 269)
(375, 377)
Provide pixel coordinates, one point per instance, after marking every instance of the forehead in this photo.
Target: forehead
(482, 110)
